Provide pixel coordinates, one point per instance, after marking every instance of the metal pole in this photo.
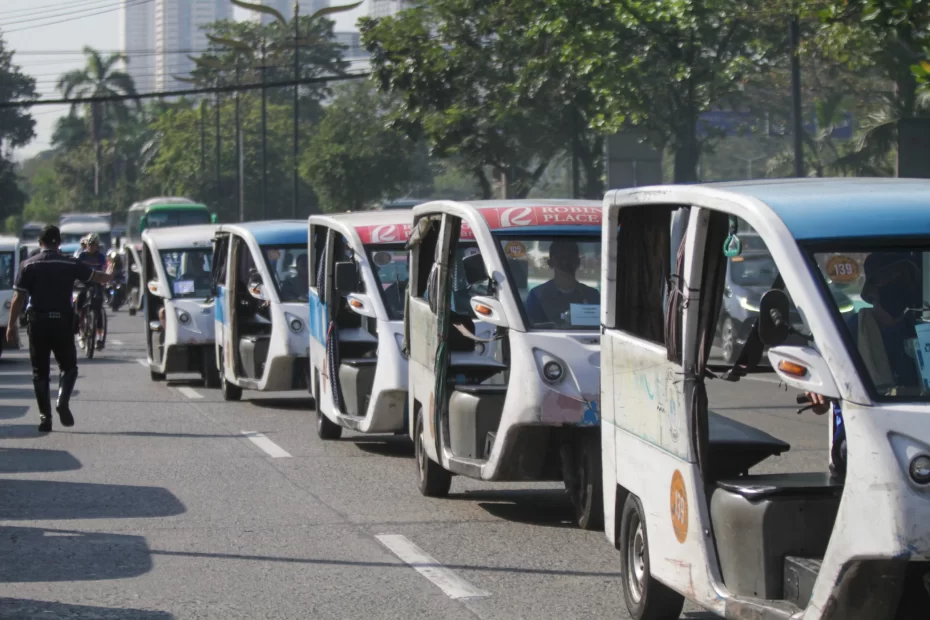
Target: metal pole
(794, 37)
(576, 180)
(296, 104)
(239, 197)
(264, 139)
(203, 136)
(219, 195)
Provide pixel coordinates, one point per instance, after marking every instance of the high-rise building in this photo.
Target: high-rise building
(286, 8)
(179, 33)
(386, 8)
(137, 42)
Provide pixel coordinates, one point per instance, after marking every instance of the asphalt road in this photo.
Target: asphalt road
(157, 506)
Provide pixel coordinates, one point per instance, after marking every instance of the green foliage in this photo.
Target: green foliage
(354, 160)
(470, 84)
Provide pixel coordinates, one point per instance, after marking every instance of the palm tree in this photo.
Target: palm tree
(101, 77)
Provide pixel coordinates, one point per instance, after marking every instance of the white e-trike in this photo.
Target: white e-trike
(683, 502)
(176, 267)
(531, 270)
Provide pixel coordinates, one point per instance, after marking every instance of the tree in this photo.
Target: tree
(17, 128)
(354, 159)
(463, 70)
(99, 78)
(659, 64)
(888, 38)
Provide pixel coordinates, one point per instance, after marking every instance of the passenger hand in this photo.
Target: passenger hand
(821, 405)
(12, 334)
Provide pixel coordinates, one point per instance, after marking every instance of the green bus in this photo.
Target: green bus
(164, 212)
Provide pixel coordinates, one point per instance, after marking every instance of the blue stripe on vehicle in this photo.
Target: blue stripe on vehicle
(317, 317)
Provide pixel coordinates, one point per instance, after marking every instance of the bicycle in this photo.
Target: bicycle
(87, 329)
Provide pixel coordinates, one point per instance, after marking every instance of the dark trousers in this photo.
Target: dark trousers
(51, 336)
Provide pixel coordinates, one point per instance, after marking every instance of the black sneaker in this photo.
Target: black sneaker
(100, 345)
(66, 418)
(46, 425)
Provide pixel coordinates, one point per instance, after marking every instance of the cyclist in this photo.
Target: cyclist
(96, 260)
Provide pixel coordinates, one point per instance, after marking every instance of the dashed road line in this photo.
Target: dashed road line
(269, 447)
(189, 392)
(118, 343)
(454, 586)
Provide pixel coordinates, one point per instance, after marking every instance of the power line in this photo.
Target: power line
(55, 6)
(62, 21)
(31, 17)
(184, 92)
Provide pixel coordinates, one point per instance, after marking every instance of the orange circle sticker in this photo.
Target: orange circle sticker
(679, 506)
(515, 249)
(842, 269)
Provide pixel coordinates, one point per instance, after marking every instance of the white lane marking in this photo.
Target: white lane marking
(189, 392)
(454, 586)
(118, 343)
(269, 447)
(143, 362)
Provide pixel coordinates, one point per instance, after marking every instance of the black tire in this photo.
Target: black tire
(646, 598)
(581, 466)
(432, 479)
(211, 374)
(230, 392)
(90, 333)
(157, 376)
(326, 428)
(132, 311)
(728, 341)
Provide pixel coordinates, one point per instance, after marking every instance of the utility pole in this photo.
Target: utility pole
(296, 104)
(794, 38)
(264, 139)
(576, 180)
(219, 190)
(203, 136)
(239, 176)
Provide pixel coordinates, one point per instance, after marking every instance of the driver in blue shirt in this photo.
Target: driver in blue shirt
(551, 302)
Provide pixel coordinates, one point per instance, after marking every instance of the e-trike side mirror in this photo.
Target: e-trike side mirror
(475, 272)
(256, 286)
(346, 278)
(774, 318)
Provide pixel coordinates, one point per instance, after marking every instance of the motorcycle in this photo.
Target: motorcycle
(116, 295)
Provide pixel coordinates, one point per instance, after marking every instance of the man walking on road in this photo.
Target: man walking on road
(48, 280)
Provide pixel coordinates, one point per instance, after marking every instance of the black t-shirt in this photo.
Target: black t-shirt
(48, 278)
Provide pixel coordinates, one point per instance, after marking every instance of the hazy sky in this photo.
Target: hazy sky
(82, 28)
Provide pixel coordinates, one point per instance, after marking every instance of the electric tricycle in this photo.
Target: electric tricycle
(260, 284)
(179, 330)
(530, 412)
(688, 501)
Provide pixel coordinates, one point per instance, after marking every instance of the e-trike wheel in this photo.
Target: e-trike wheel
(230, 392)
(646, 598)
(157, 376)
(433, 480)
(326, 428)
(581, 466)
(210, 372)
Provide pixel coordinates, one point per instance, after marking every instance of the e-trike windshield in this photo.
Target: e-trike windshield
(888, 329)
(391, 270)
(188, 271)
(556, 278)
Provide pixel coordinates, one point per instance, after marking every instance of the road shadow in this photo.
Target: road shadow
(11, 412)
(300, 403)
(24, 378)
(154, 434)
(392, 446)
(31, 500)
(33, 461)
(544, 507)
(23, 608)
(21, 431)
(30, 393)
(39, 554)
